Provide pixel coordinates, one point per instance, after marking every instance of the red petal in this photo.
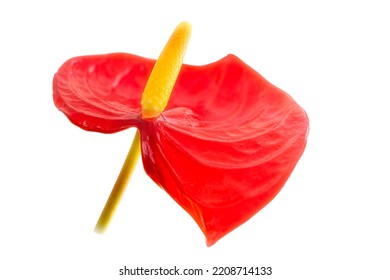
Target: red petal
(229, 150)
(223, 148)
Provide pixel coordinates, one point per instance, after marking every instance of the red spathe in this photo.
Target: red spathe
(223, 147)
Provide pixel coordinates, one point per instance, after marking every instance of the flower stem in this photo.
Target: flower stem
(120, 185)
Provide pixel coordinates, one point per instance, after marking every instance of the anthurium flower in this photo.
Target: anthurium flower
(220, 140)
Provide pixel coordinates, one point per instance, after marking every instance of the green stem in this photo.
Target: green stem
(120, 185)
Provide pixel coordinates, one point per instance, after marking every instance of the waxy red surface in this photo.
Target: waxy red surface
(223, 147)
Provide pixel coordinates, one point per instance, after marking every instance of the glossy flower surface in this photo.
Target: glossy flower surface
(223, 147)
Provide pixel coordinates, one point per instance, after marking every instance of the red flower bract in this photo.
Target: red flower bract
(223, 147)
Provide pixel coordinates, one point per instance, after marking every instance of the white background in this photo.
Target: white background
(330, 221)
